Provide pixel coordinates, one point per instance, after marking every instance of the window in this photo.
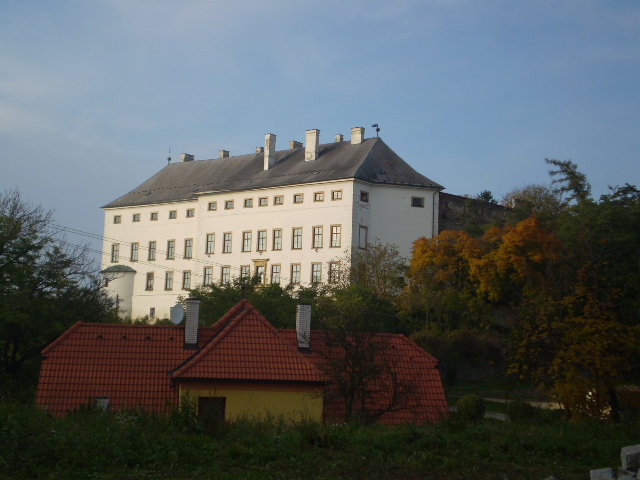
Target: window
(213, 206)
(362, 237)
(364, 196)
(115, 252)
(228, 205)
(336, 195)
(226, 242)
(208, 276)
(296, 239)
(263, 201)
(191, 212)
(168, 281)
(152, 251)
(260, 271)
(275, 273)
(211, 243)
(278, 200)
(136, 217)
(246, 241)
(297, 198)
(225, 275)
(262, 240)
(152, 313)
(117, 219)
(417, 202)
(149, 285)
(244, 272)
(171, 249)
(154, 216)
(248, 202)
(134, 252)
(186, 280)
(173, 214)
(335, 235)
(102, 404)
(295, 273)
(333, 272)
(317, 237)
(318, 197)
(188, 248)
(316, 272)
(277, 239)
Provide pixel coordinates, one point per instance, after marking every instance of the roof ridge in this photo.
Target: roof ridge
(61, 338)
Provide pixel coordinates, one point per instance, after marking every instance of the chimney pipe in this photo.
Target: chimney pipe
(311, 148)
(339, 138)
(303, 325)
(293, 145)
(191, 324)
(224, 153)
(185, 157)
(357, 135)
(269, 151)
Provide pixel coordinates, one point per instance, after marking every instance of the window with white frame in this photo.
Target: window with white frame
(417, 202)
(263, 201)
(136, 217)
(208, 276)
(316, 272)
(336, 233)
(362, 237)
(168, 281)
(173, 214)
(278, 200)
(149, 283)
(260, 273)
(296, 238)
(117, 219)
(210, 244)
(152, 313)
(191, 212)
(317, 237)
(262, 240)
(226, 242)
(318, 197)
(115, 252)
(225, 275)
(295, 273)
(212, 206)
(275, 273)
(248, 202)
(277, 239)
(336, 195)
(246, 241)
(186, 280)
(171, 249)
(228, 205)
(188, 248)
(134, 251)
(152, 251)
(153, 216)
(333, 272)
(297, 197)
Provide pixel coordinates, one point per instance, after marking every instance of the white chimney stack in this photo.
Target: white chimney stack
(312, 146)
(191, 323)
(357, 135)
(339, 138)
(269, 151)
(303, 324)
(224, 153)
(185, 157)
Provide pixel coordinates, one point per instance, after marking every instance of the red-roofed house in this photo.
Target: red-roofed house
(241, 366)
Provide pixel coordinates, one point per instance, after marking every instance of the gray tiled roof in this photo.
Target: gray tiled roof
(372, 161)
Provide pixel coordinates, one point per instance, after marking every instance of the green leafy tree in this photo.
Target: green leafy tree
(46, 285)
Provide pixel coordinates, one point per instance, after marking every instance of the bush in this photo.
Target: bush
(521, 412)
(470, 408)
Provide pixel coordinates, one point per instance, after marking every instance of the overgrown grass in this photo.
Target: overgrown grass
(138, 445)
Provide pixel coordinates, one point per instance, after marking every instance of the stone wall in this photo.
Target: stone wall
(463, 213)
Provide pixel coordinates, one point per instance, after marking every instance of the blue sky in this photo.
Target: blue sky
(472, 94)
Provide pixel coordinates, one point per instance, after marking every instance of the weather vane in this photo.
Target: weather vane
(375, 125)
(169, 157)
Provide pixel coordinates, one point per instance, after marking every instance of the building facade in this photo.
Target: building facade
(286, 216)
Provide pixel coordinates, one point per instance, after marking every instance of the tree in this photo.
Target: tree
(486, 196)
(46, 285)
(570, 180)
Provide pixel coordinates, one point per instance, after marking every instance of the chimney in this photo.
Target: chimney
(293, 145)
(339, 138)
(224, 153)
(259, 149)
(185, 157)
(191, 324)
(269, 151)
(357, 135)
(311, 148)
(303, 325)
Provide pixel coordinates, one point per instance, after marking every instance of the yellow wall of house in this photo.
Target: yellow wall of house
(260, 401)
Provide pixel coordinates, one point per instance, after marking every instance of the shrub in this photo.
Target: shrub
(470, 408)
(521, 412)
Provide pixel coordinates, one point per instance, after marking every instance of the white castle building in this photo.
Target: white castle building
(283, 215)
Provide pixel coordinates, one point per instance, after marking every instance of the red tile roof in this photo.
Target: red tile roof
(140, 365)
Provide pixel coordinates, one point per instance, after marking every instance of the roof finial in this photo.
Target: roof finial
(375, 125)
(169, 157)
